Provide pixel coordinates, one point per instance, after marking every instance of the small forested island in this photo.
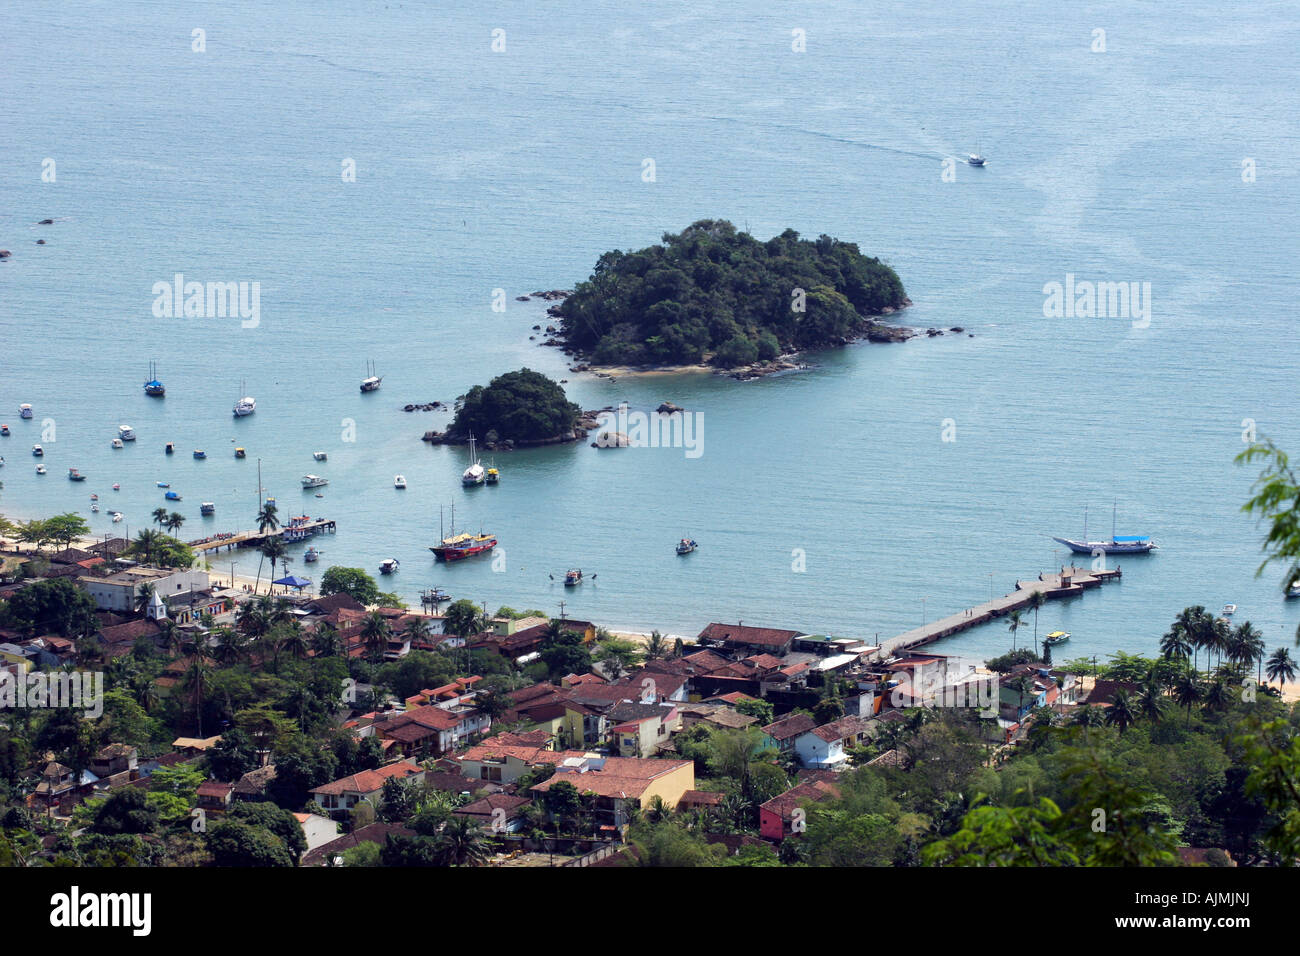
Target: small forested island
(517, 408)
(718, 295)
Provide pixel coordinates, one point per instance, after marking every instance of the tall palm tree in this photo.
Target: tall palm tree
(1175, 645)
(1036, 600)
(1280, 667)
(1151, 702)
(1120, 712)
(1188, 692)
(1014, 624)
(266, 521)
(146, 544)
(1219, 637)
(160, 517)
(461, 843)
(1020, 685)
(273, 549)
(1248, 647)
(1193, 624)
(374, 634)
(174, 521)
(196, 679)
(417, 629)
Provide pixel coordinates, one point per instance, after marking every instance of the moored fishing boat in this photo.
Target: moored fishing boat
(172, 496)
(311, 556)
(4, 431)
(126, 433)
(399, 481)
(200, 453)
(207, 508)
(372, 381)
(389, 565)
(117, 443)
(314, 481)
(24, 411)
(37, 451)
(493, 476)
(74, 475)
(572, 577)
(686, 546)
(1056, 637)
(240, 453)
(40, 469)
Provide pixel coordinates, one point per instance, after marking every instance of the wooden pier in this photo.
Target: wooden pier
(251, 539)
(1067, 582)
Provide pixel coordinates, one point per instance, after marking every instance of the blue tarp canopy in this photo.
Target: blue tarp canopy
(1118, 537)
(293, 581)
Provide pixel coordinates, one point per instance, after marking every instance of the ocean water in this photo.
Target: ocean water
(479, 170)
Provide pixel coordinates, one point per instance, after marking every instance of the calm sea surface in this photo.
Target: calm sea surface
(479, 170)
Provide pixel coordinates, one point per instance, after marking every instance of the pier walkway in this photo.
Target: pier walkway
(297, 531)
(1065, 583)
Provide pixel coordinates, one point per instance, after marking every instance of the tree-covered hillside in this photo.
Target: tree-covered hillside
(522, 406)
(713, 291)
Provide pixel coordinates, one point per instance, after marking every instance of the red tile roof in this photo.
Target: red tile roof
(743, 634)
(368, 781)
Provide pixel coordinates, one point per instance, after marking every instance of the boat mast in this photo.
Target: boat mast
(1085, 524)
(1113, 506)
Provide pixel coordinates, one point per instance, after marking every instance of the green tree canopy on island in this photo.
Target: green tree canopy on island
(713, 290)
(517, 406)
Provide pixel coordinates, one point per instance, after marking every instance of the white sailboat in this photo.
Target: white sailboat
(474, 474)
(372, 381)
(246, 405)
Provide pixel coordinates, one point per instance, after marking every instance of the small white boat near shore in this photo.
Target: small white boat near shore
(399, 481)
(314, 481)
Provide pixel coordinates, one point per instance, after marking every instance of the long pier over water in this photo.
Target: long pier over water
(298, 531)
(1067, 582)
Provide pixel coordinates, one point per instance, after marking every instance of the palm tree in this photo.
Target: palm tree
(656, 647)
(174, 521)
(266, 521)
(1217, 695)
(230, 645)
(1014, 624)
(196, 679)
(273, 549)
(146, 543)
(461, 843)
(1247, 646)
(1020, 685)
(1280, 667)
(1036, 600)
(1187, 692)
(1175, 644)
(417, 629)
(143, 596)
(295, 642)
(1150, 702)
(1120, 712)
(325, 642)
(160, 517)
(1194, 624)
(1218, 638)
(374, 634)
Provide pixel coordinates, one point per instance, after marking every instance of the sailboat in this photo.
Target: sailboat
(153, 387)
(975, 158)
(474, 474)
(246, 405)
(458, 546)
(372, 381)
(1118, 544)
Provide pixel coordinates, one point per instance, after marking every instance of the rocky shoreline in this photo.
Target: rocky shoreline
(871, 330)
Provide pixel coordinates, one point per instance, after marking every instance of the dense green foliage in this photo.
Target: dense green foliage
(715, 290)
(520, 406)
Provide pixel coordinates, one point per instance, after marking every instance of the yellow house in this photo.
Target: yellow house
(613, 785)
